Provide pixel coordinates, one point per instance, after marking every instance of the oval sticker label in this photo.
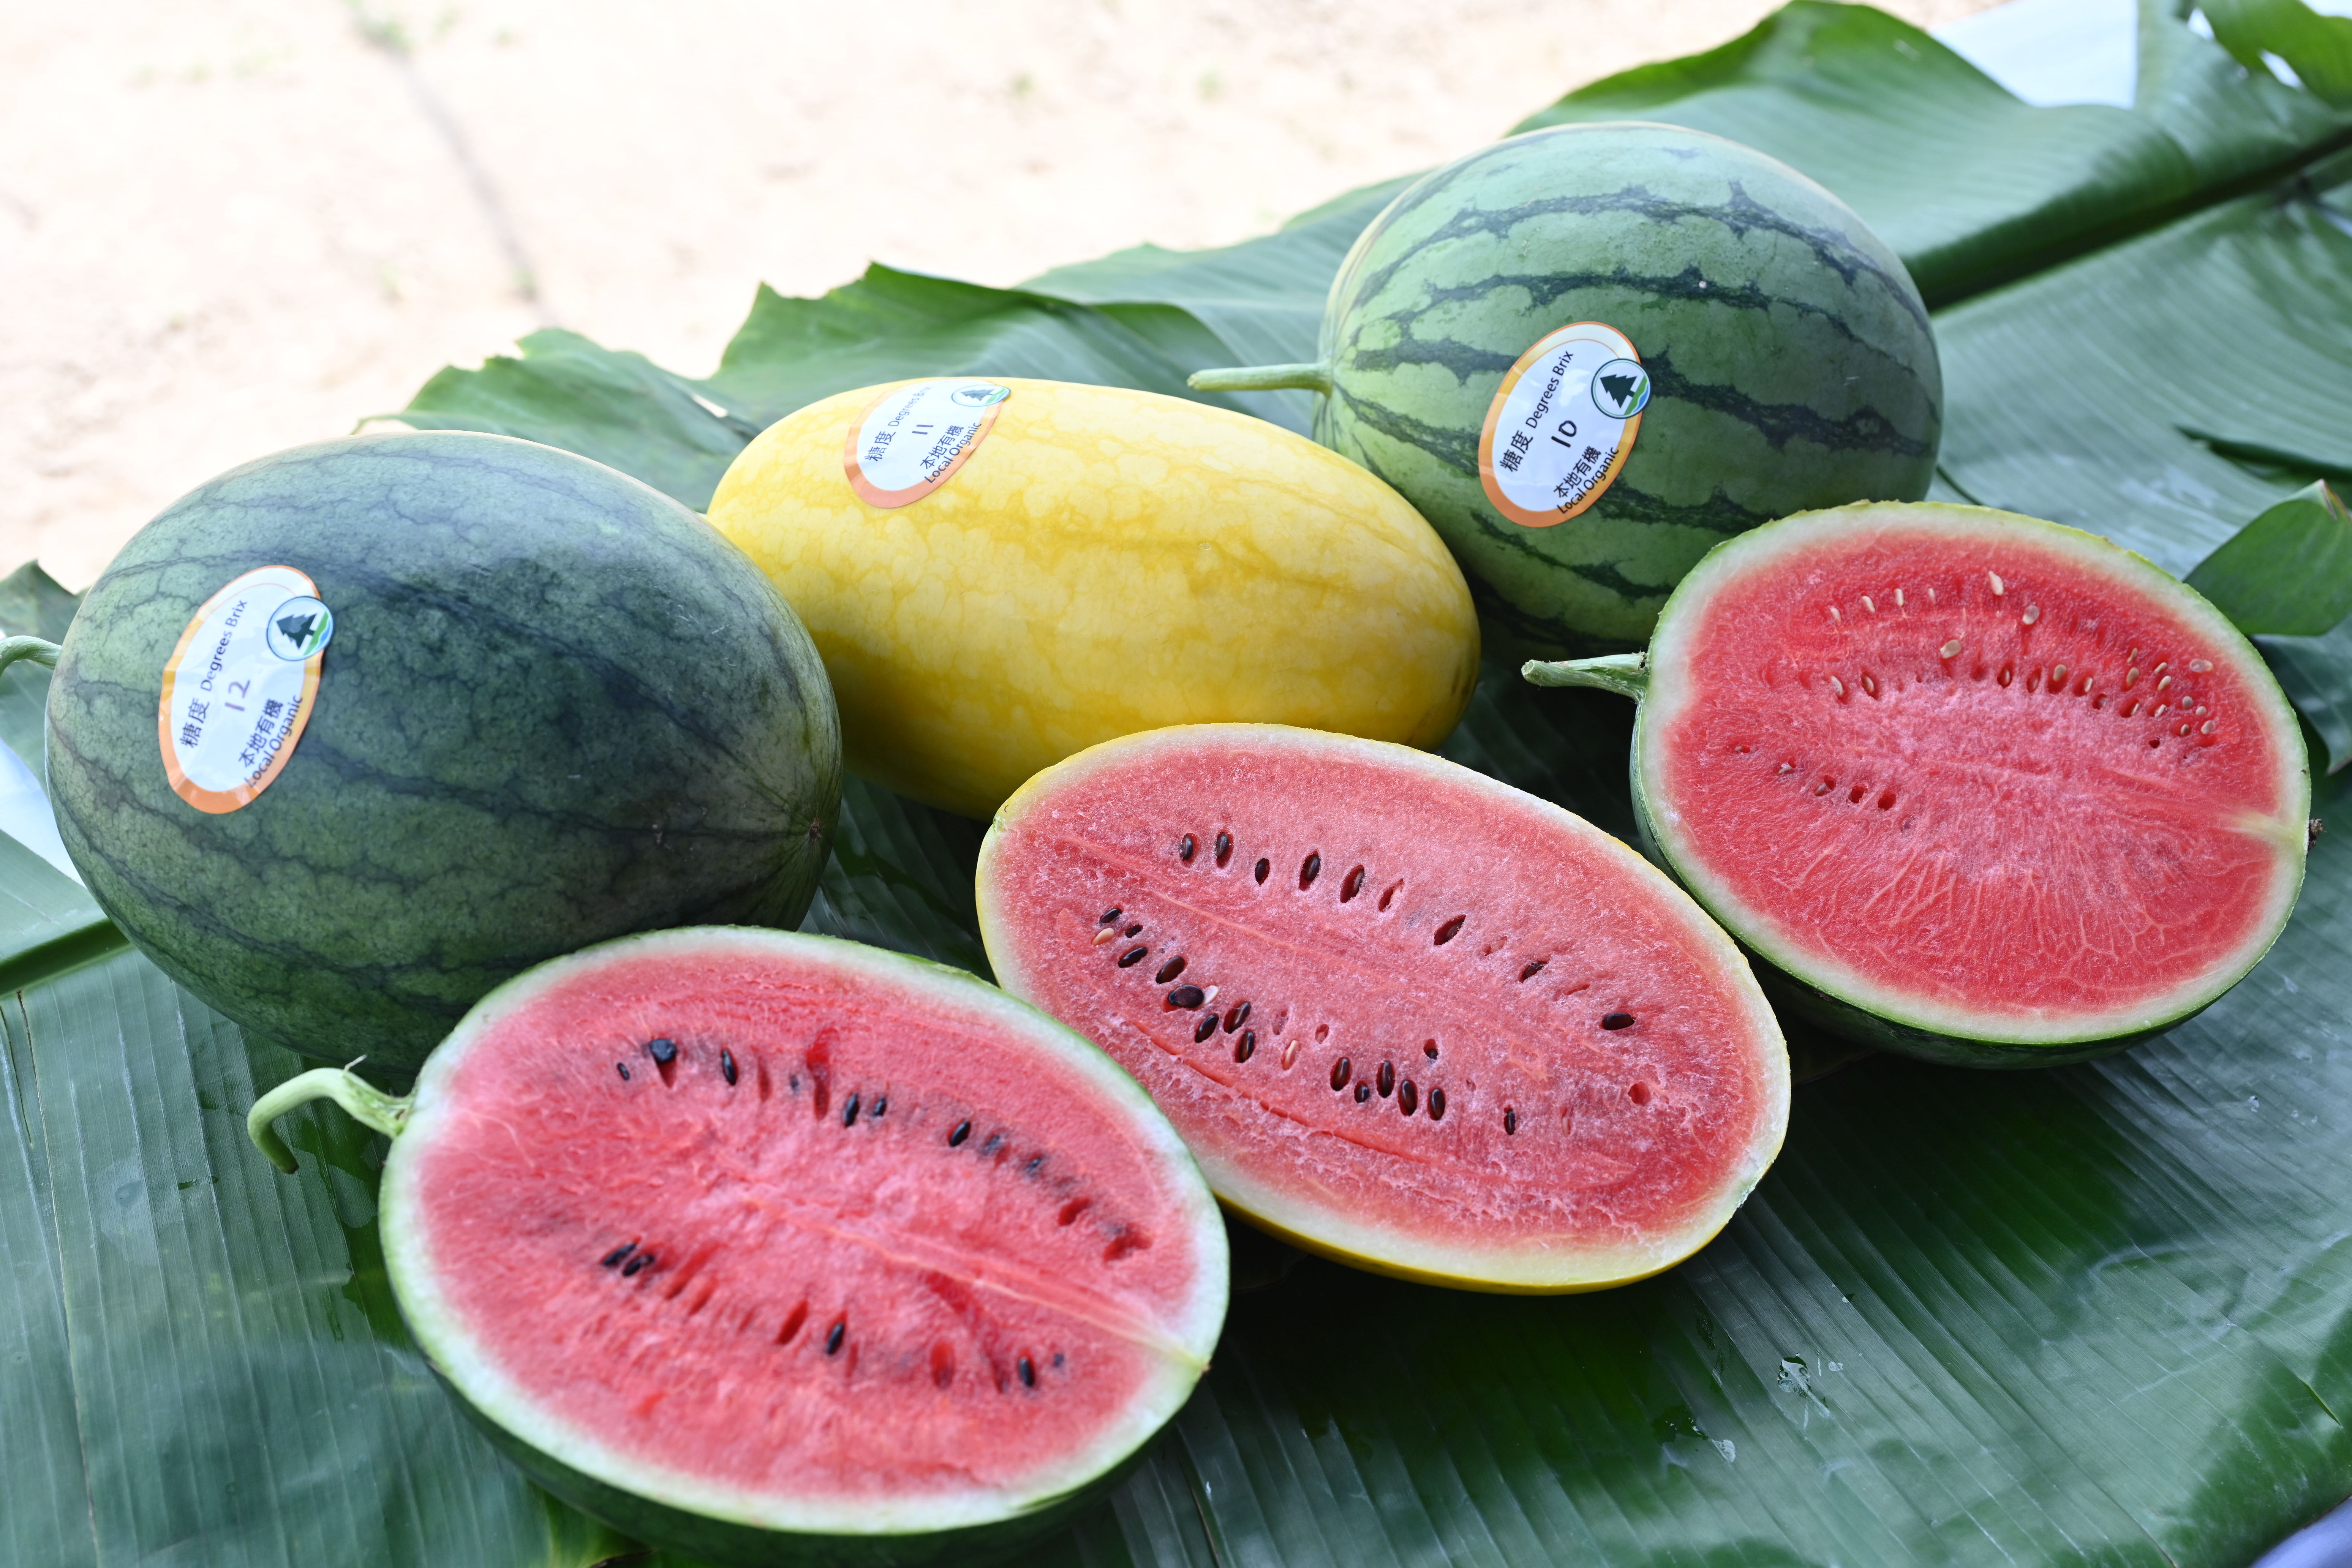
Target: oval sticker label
(1562, 423)
(914, 439)
(240, 686)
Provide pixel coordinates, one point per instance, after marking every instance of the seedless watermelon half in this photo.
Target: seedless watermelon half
(1404, 1014)
(1988, 789)
(770, 1249)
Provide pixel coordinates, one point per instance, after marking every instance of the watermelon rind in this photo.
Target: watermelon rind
(557, 707)
(1838, 998)
(1319, 1227)
(671, 1507)
(1791, 357)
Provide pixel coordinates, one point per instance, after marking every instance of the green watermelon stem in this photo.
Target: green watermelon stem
(1314, 377)
(1626, 674)
(366, 1104)
(39, 650)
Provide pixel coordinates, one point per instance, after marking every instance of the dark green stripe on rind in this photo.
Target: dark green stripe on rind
(1791, 362)
(1834, 244)
(557, 708)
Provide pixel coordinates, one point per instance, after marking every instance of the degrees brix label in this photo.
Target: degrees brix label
(240, 686)
(1562, 423)
(915, 437)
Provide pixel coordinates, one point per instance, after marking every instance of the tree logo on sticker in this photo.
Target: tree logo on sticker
(978, 397)
(299, 627)
(1621, 389)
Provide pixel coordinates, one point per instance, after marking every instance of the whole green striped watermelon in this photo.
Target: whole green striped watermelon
(1759, 352)
(554, 707)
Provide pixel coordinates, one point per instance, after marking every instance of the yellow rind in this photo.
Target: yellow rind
(1484, 1286)
(1107, 561)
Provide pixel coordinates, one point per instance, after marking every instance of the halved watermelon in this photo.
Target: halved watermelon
(1406, 1016)
(1987, 789)
(767, 1247)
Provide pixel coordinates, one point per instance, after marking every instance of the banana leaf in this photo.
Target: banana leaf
(2097, 1315)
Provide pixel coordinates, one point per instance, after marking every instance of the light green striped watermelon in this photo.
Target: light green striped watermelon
(1787, 360)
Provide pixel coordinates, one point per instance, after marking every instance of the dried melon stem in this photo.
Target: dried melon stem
(1626, 674)
(367, 1104)
(1314, 377)
(39, 651)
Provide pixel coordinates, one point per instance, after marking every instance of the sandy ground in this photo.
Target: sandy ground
(227, 226)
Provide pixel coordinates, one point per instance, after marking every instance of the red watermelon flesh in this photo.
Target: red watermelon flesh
(1405, 1014)
(789, 1232)
(1980, 773)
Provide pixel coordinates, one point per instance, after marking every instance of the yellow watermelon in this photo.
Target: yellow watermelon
(1000, 573)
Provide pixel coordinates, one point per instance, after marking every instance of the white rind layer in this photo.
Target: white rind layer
(1671, 691)
(1327, 1228)
(441, 1331)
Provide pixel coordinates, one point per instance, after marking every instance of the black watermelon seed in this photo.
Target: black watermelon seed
(1207, 1026)
(1028, 1372)
(1533, 969)
(1429, 1049)
(623, 1068)
(1224, 847)
(1247, 1046)
(1108, 916)
(727, 1065)
(1339, 1071)
(1447, 932)
(1037, 1162)
(881, 1104)
(1363, 1093)
(1188, 997)
(989, 1147)
(642, 1261)
(1618, 1021)
(1308, 870)
(1510, 1121)
(613, 1259)
(663, 1051)
(1388, 1078)
(1408, 1097)
(1186, 848)
(1260, 870)
(849, 1112)
(835, 1335)
(962, 1131)
(1437, 1105)
(1171, 970)
(792, 1324)
(1132, 957)
(1133, 927)
(1236, 1016)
